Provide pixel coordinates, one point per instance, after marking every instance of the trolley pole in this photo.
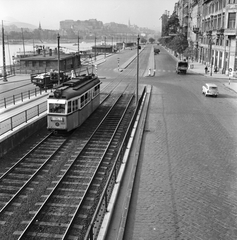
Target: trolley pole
(58, 60)
(138, 47)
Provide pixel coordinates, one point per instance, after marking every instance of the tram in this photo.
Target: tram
(72, 103)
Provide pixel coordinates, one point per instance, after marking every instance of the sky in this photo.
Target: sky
(143, 13)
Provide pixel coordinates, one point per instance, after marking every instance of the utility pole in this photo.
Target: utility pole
(3, 54)
(138, 47)
(95, 47)
(78, 44)
(58, 60)
(23, 41)
(105, 47)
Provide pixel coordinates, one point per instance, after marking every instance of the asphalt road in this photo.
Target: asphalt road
(186, 184)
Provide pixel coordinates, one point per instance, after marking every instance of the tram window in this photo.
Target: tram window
(74, 105)
(86, 98)
(82, 101)
(96, 90)
(69, 107)
(56, 108)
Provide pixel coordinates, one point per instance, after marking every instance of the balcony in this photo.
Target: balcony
(194, 2)
(206, 1)
(195, 30)
(220, 31)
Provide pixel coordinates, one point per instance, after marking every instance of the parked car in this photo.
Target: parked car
(210, 89)
(181, 67)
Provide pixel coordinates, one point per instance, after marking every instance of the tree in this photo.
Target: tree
(172, 38)
(151, 40)
(190, 51)
(179, 43)
(143, 40)
(173, 24)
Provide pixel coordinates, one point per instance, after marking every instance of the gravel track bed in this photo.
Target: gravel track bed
(40, 188)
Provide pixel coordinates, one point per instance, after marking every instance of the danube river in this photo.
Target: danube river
(12, 49)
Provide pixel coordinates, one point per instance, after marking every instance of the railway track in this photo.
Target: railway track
(59, 160)
(14, 182)
(67, 210)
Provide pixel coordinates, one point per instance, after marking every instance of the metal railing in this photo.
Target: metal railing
(11, 123)
(20, 97)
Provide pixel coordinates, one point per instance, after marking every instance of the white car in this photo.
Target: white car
(210, 89)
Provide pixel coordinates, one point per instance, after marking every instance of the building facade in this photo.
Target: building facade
(210, 25)
(44, 63)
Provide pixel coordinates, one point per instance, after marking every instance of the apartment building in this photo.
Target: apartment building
(211, 27)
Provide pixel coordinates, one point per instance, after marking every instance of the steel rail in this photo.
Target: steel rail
(24, 233)
(13, 197)
(97, 169)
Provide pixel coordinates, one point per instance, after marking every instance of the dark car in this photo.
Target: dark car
(156, 51)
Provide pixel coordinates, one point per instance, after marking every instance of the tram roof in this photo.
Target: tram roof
(74, 87)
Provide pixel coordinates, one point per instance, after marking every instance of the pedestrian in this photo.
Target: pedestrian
(206, 70)
(215, 69)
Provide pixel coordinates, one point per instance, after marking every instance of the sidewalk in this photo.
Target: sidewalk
(229, 81)
(199, 68)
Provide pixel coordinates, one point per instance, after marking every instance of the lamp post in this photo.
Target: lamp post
(209, 35)
(196, 31)
(138, 47)
(95, 47)
(105, 47)
(58, 60)
(78, 44)
(23, 40)
(3, 54)
(112, 44)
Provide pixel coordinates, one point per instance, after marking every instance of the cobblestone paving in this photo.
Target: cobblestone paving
(188, 179)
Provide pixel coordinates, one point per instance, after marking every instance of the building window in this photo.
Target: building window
(220, 4)
(219, 21)
(231, 20)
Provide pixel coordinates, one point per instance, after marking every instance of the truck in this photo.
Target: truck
(47, 80)
(181, 67)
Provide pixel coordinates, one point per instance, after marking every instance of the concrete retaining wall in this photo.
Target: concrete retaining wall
(22, 134)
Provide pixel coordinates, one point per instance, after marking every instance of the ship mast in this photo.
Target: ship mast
(3, 54)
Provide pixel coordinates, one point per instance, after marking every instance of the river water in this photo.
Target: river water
(12, 49)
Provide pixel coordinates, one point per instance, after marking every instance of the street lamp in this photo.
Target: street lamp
(4, 60)
(78, 44)
(209, 35)
(138, 48)
(196, 31)
(58, 60)
(105, 47)
(112, 44)
(95, 47)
